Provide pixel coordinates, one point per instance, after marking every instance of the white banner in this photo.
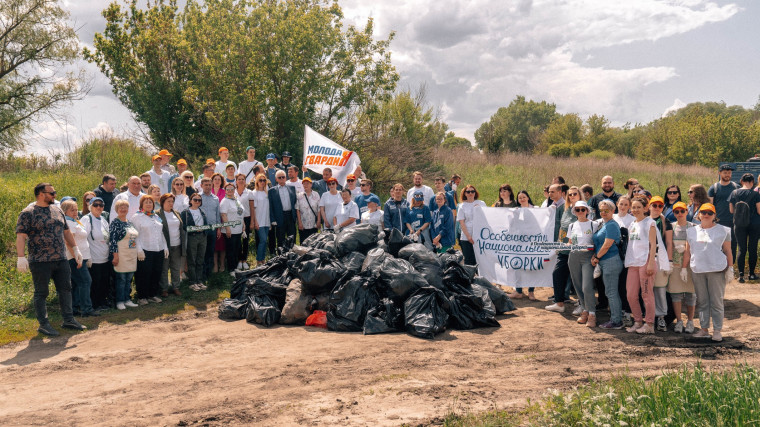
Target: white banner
(508, 245)
(320, 152)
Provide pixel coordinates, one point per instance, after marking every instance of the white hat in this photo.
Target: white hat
(580, 204)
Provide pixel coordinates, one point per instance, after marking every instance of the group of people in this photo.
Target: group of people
(166, 225)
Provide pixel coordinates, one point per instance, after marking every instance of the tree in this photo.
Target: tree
(36, 43)
(566, 133)
(515, 127)
(241, 72)
(453, 141)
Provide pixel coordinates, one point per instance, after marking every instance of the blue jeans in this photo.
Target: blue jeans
(81, 282)
(262, 234)
(611, 269)
(123, 286)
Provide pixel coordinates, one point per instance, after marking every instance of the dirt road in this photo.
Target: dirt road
(195, 369)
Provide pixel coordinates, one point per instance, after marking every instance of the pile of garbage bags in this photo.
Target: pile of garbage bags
(364, 279)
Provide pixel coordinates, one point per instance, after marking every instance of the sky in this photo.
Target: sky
(629, 61)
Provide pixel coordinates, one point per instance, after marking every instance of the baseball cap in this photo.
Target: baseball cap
(250, 147)
(418, 195)
(164, 153)
(286, 154)
(210, 161)
(373, 199)
(680, 205)
(155, 157)
(182, 162)
(96, 199)
(331, 179)
(656, 199)
(64, 198)
(307, 179)
(223, 149)
(704, 207)
(271, 156)
(351, 176)
(726, 167)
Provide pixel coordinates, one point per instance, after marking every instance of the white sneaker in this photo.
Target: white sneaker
(246, 266)
(155, 299)
(129, 303)
(689, 327)
(578, 310)
(202, 286)
(142, 301)
(555, 308)
(120, 306)
(232, 274)
(679, 327)
(239, 266)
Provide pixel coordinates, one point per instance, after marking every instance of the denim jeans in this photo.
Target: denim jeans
(81, 282)
(261, 244)
(611, 268)
(123, 286)
(42, 272)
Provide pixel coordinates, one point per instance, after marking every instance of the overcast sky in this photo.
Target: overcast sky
(630, 61)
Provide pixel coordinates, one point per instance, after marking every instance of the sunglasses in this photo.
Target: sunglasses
(673, 192)
(708, 213)
(98, 205)
(364, 185)
(51, 192)
(691, 192)
(262, 180)
(350, 180)
(87, 200)
(196, 200)
(580, 210)
(679, 211)
(657, 206)
(572, 194)
(178, 184)
(332, 183)
(604, 211)
(280, 177)
(470, 191)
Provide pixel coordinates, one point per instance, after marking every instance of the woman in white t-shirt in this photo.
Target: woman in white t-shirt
(231, 209)
(580, 233)
(330, 203)
(243, 194)
(623, 216)
(260, 216)
(181, 201)
(465, 216)
(642, 266)
(708, 253)
(347, 214)
(80, 275)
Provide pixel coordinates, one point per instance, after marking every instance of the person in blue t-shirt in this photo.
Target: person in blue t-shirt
(442, 224)
(362, 199)
(440, 184)
(418, 220)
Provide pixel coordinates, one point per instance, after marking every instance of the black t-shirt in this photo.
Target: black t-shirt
(751, 197)
(593, 202)
(720, 201)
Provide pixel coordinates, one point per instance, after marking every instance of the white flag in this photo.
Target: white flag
(320, 152)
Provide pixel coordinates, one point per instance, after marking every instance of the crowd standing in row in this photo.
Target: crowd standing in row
(165, 224)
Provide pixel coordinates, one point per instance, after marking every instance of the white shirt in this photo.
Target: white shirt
(173, 222)
(80, 237)
(355, 192)
(162, 180)
(297, 184)
(637, 253)
(246, 168)
(282, 190)
(97, 235)
(580, 233)
(465, 213)
(197, 217)
(134, 203)
(706, 247)
(244, 200)
(308, 219)
(625, 221)
(234, 211)
(221, 167)
(150, 235)
(261, 207)
(181, 202)
(427, 193)
(332, 204)
(375, 217)
(346, 211)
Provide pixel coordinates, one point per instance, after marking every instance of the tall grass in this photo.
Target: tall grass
(109, 154)
(689, 396)
(531, 172)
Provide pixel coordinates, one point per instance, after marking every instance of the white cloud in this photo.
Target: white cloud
(677, 105)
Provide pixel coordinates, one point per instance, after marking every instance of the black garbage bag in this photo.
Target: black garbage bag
(482, 293)
(425, 313)
(433, 274)
(299, 304)
(287, 245)
(257, 286)
(501, 301)
(262, 310)
(374, 260)
(233, 309)
(237, 291)
(382, 246)
(386, 316)
(324, 240)
(458, 274)
(417, 253)
(358, 238)
(353, 262)
(272, 271)
(349, 302)
(317, 270)
(450, 256)
(466, 311)
(400, 277)
(396, 240)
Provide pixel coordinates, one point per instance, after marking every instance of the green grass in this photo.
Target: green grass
(690, 396)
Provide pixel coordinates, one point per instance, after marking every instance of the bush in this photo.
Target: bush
(561, 150)
(110, 154)
(599, 155)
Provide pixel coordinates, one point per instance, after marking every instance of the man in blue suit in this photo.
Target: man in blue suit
(282, 208)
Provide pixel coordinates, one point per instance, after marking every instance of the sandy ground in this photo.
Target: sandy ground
(195, 369)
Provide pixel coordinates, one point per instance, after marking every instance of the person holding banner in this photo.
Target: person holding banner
(442, 224)
(322, 185)
(174, 235)
(563, 219)
(418, 220)
(523, 201)
(580, 234)
(330, 203)
(395, 209)
(195, 243)
(642, 266)
(231, 210)
(465, 216)
(607, 256)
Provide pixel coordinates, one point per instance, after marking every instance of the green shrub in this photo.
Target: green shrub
(600, 155)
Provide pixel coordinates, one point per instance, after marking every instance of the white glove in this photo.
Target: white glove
(245, 235)
(166, 253)
(78, 256)
(597, 271)
(729, 274)
(22, 264)
(684, 274)
(274, 223)
(140, 255)
(89, 263)
(337, 228)
(453, 186)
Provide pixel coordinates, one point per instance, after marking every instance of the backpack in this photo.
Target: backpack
(622, 245)
(741, 214)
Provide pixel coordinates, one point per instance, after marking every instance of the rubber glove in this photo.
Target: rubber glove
(684, 274)
(22, 264)
(140, 255)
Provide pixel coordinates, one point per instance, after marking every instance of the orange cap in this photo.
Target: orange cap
(680, 205)
(307, 179)
(351, 176)
(155, 157)
(707, 207)
(656, 199)
(210, 161)
(182, 162)
(164, 153)
(223, 149)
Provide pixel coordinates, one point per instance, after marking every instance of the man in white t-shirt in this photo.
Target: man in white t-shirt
(246, 166)
(132, 195)
(159, 176)
(427, 192)
(224, 160)
(293, 180)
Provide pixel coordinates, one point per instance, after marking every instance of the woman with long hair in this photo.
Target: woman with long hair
(260, 216)
(642, 266)
(465, 216)
(217, 188)
(671, 197)
(506, 197)
(697, 197)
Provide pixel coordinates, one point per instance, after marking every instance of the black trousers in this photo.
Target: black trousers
(208, 258)
(102, 284)
(285, 230)
(305, 233)
(243, 257)
(148, 274)
(559, 277)
(746, 239)
(233, 250)
(602, 298)
(468, 251)
(733, 237)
